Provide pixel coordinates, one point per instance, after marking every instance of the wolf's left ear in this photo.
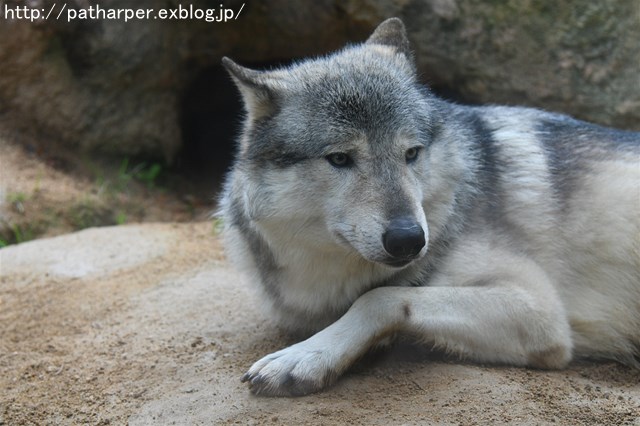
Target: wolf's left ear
(392, 33)
(256, 88)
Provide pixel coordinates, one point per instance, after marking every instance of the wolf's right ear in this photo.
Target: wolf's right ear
(255, 87)
(393, 33)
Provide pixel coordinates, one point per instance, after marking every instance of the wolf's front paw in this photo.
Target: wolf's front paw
(294, 371)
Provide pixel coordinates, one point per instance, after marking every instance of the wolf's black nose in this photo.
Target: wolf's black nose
(403, 239)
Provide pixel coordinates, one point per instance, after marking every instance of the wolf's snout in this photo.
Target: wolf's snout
(403, 239)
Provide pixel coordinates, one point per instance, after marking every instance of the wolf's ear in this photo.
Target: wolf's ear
(392, 33)
(258, 94)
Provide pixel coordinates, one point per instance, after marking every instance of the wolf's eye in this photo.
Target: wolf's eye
(339, 159)
(411, 154)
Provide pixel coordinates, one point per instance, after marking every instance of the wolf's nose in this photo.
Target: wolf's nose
(403, 239)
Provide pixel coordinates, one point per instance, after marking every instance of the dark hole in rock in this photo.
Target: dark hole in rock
(211, 114)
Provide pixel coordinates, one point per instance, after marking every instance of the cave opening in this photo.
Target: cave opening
(210, 118)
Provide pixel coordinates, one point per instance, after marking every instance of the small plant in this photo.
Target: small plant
(16, 234)
(141, 172)
(121, 218)
(17, 199)
(88, 213)
(21, 235)
(124, 175)
(218, 226)
(148, 174)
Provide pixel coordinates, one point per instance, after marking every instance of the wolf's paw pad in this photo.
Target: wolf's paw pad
(292, 371)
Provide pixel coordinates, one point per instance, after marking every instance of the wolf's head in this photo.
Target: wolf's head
(334, 150)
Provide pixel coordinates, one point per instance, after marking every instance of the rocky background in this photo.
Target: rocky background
(155, 87)
(106, 122)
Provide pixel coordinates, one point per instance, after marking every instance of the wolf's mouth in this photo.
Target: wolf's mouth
(399, 263)
(342, 240)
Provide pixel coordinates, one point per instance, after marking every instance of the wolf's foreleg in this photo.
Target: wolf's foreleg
(496, 322)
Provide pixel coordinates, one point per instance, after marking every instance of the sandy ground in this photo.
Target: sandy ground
(147, 324)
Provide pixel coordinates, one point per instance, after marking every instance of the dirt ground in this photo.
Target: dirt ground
(46, 190)
(147, 324)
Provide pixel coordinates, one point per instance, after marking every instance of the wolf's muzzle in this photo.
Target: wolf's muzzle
(403, 239)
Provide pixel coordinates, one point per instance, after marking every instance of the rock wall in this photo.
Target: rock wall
(118, 87)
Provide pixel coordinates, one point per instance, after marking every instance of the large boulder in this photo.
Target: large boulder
(123, 87)
(100, 85)
(578, 57)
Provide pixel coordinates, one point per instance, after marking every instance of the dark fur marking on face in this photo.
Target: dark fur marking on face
(406, 310)
(397, 202)
(270, 147)
(365, 110)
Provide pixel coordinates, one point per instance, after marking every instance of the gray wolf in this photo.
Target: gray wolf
(366, 207)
